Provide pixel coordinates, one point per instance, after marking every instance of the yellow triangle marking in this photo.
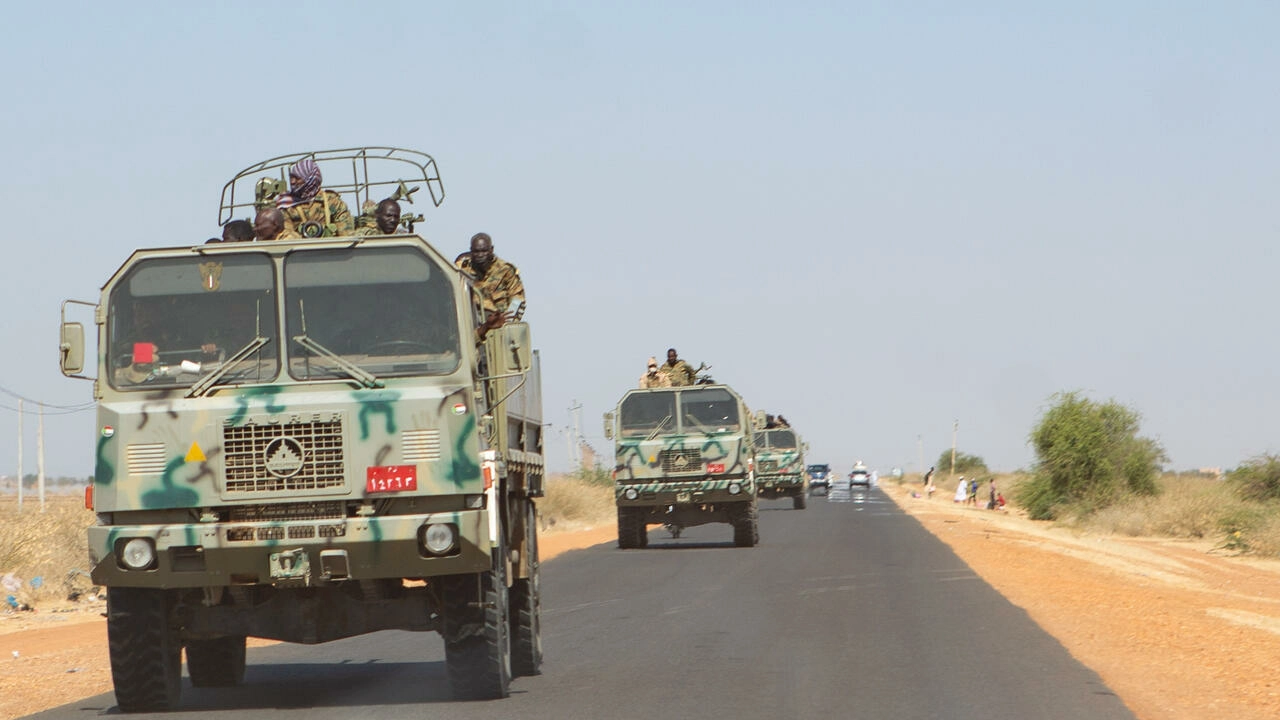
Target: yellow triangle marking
(195, 454)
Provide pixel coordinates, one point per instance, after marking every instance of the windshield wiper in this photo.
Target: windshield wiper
(206, 383)
(658, 428)
(357, 373)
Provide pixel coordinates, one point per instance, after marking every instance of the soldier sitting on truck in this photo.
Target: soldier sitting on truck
(237, 231)
(269, 225)
(497, 281)
(654, 379)
(311, 211)
(383, 220)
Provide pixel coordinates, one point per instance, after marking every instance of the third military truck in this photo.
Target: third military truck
(780, 470)
(307, 440)
(684, 456)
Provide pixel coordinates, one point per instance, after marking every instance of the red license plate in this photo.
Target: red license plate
(391, 478)
(715, 467)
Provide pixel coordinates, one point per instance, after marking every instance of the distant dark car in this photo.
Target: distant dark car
(819, 477)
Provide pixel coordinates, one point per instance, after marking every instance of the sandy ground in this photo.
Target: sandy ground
(1180, 631)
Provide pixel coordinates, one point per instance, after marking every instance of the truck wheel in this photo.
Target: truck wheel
(631, 528)
(477, 644)
(800, 500)
(746, 532)
(216, 663)
(146, 654)
(526, 605)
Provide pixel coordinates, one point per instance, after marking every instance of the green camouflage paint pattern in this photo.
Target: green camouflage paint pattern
(245, 397)
(379, 402)
(103, 471)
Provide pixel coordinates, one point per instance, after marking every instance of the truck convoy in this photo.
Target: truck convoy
(307, 440)
(684, 456)
(780, 470)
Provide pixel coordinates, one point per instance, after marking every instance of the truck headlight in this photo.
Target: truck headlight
(138, 554)
(734, 488)
(631, 493)
(438, 538)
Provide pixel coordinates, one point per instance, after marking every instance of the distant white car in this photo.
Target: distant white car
(860, 476)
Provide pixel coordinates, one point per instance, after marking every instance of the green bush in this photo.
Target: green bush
(965, 464)
(593, 476)
(1088, 456)
(1258, 478)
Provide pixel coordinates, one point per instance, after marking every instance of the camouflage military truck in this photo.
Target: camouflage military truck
(305, 441)
(684, 457)
(780, 470)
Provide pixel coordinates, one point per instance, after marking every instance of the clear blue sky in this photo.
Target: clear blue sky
(874, 218)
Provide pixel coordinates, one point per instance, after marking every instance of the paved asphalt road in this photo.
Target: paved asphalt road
(844, 610)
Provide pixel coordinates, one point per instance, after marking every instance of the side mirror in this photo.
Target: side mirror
(516, 348)
(71, 348)
(608, 425)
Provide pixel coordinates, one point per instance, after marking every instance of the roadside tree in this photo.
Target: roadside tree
(1088, 456)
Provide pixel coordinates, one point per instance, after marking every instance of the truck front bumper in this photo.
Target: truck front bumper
(291, 553)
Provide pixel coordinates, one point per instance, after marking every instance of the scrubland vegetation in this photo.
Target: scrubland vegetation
(49, 547)
(576, 501)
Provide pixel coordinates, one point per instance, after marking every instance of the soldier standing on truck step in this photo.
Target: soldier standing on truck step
(497, 281)
(678, 370)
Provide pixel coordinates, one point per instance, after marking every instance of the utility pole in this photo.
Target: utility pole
(575, 412)
(955, 429)
(40, 455)
(19, 455)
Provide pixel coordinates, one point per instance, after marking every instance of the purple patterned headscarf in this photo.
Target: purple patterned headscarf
(304, 183)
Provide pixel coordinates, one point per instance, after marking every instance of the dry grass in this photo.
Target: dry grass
(573, 503)
(50, 545)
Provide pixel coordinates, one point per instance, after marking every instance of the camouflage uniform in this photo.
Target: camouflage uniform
(337, 223)
(681, 373)
(499, 286)
(284, 234)
(655, 380)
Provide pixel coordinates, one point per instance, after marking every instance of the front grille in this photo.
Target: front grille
(288, 511)
(257, 463)
(681, 460)
(768, 466)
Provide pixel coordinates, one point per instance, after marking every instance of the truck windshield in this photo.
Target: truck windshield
(645, 413)
(709, 410)
(387, 311)
(171, 321)
(776, 440)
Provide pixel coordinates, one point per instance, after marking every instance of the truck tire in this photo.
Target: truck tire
(746, 532)
(477, 641)
(526, 605)
(631, 528)
(146, 654)
(216, 663)
(800, 500)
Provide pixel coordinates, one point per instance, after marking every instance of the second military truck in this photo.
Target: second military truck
(780, 470)
(684, 456)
